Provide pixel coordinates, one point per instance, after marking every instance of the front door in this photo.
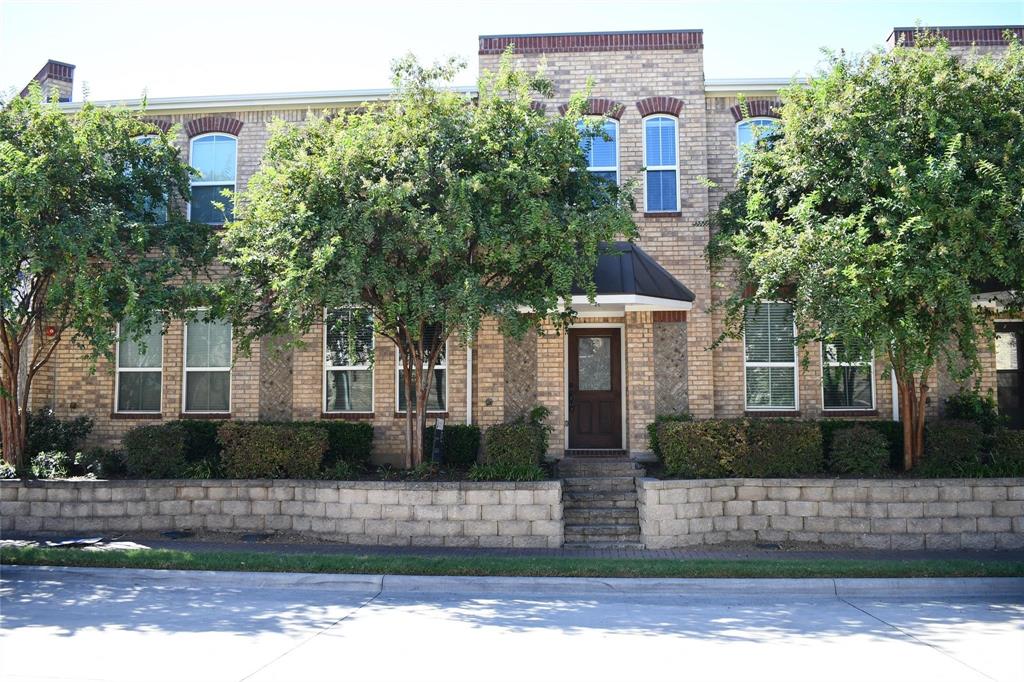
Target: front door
(595, 389)
(1010, 372)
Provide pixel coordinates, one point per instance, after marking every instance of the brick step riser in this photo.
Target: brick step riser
(602, 529)
(598, 472)
(604, 545)
(627, 486)
(601, 516)
(593, 541)
(587, 505)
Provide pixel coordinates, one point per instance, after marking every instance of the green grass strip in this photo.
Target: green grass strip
(513, 566)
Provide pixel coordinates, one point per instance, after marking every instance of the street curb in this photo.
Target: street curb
(731, 589)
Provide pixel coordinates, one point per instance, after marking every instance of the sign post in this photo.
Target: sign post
(437, 451)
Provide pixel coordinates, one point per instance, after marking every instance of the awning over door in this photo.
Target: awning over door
(629, 279)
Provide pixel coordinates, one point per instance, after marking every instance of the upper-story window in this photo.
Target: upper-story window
(750, 130)
(140, 372)
(847, 378)
(152, 211)
(348, 373)
(770, 357)
(603, 151)
(661, 161)
(215, 157)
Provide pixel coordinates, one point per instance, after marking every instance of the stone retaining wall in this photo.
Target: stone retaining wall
(878, 514)
(460, 514)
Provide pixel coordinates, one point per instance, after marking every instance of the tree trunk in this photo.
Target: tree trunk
(410, 414)
(913, 400)
(13, 421)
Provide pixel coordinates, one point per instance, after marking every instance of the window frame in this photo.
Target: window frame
(618, 159)
(117, 375)
(447, 384)
(210, 183)
(869, 363)
(335, 368)
(753, 120)
(648, 168)
(795, 364)
(185, 369)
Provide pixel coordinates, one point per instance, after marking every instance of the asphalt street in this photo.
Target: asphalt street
(103, 624)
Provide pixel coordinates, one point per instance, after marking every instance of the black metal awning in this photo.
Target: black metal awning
(626, 276)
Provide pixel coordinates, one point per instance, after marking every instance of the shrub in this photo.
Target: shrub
(155, 451)
(101, 463)
(47, 433)
(522, 442)
(1007, 453)
(890, 430)
(347, 441)
(340, 471)
(54, 464)
(953, 448)
(776, 447)
(461, 444)
(974, 407)
(7, 472)
(506, 471)
(700, 449)
(201, 443)
(252, 450)
(859, 450)
(652, 429)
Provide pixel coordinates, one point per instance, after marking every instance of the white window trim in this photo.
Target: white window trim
(334, 368)
(795, 364)
(605, 169)
(440, 365)
(863, 363)
(117, 376)
(185, 369)
(756, 121)
(193, 182)
(648, 168)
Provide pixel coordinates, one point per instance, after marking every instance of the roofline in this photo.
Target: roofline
(257, 100)
(957, 28)
(594, 33)
(734, 85)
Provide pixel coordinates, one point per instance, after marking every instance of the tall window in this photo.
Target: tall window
(140, 372)
(660, 160)
(155, 211)
(847, 378)
(348, 375)
(215, 157)
(207, 365)
(437, 401)
(770, 357)
(750, 130)
(603, 152)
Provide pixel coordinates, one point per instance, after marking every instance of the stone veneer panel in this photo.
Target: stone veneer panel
(871, 513)
(670, 395)
(520, 375)
(358, 512)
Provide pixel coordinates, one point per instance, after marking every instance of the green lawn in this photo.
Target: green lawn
(512, 566)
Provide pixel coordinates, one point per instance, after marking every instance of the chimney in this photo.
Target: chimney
(55, 75)
(983, 38)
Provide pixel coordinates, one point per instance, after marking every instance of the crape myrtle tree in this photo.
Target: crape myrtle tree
(893, 187)
(89, 237)
(429, 212)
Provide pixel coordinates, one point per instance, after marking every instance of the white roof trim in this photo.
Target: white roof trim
(257, 101)
(733, 85)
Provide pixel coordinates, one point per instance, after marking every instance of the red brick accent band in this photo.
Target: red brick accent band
(163, 124)
(670, 316)
(660, 105)
(958, 36)
(627, 41)
(599, 106)
(757, 108)
(213, 124)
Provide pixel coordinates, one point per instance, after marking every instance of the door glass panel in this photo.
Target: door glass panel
(1006, 351)
(595, 363)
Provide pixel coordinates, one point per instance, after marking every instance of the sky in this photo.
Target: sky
(181, 47)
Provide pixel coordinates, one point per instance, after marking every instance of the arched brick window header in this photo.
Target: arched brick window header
(599, 106)
(163, 124)
(757, 108)
(213, 124)
(660, 105)
(538, 106)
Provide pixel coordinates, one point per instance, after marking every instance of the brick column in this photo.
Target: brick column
(551, 384)
(489, 397)
(639, 378)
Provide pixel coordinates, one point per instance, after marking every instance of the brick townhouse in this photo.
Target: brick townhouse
(640, 351)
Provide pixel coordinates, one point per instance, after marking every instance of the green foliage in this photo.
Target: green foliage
(252, 450)
(954, 448)
(101, 463)
(155, 451)
(202, 469)
(201, 443)
(975, 407)
(780, 448)
(506, 471)
(431, 210)
(891, 431)
(347, 441)
(1007, 458)
(701, 449)
(47, 433)
(461, 444)
(7, 472)
(860, 451)
(80, 247)
(340, 470)
(652, 429)
(53, 464)
(522, 442)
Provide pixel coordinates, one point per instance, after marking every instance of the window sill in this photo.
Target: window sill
(349, 416)
(664, 214)
(205, 415)
(430, 413)
(848, 413)
(771, 413)
(136, 415)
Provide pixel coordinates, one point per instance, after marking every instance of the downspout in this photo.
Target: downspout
(469, 382)
(895, 397)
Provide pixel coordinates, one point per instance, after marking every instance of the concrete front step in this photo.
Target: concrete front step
(577, 515)
(616, 529)
(617, 483)
(604, 544)
(592, 540)
(568, 468)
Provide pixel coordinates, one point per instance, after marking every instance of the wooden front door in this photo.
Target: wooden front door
(1010, 372)
(595, 389)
